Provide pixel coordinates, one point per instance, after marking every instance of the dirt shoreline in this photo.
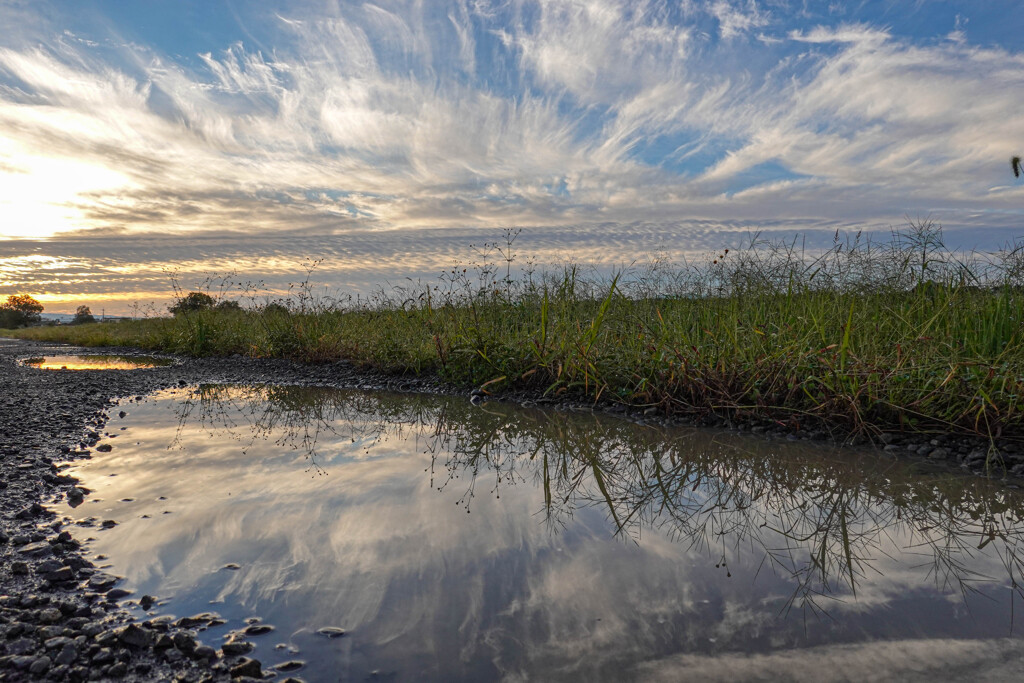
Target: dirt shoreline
(60, 617)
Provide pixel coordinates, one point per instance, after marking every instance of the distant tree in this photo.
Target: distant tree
(82, 315)
(193, 301)
(19, 310)
(275, 308)
(228, 305)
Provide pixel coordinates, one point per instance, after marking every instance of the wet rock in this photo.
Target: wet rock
(185, 641)
(293, 665)
(133, 635)
(236, 646)
(40, 549)
(146, 601)
(61, 575)
(204, 652)
(67, 655)
(104, 448)
(21, 646)
(331, 631)
(102, 582)
(19, 568)
(247, 667)
(50, 615)
(258, 629)
(40, 665)
(118, 593)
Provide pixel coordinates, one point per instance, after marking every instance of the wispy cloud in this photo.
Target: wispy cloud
(404, 115)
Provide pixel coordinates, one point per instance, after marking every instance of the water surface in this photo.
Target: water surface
(95, 362)
(456, 542)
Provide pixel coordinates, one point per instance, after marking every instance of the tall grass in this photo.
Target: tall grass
(862, 336)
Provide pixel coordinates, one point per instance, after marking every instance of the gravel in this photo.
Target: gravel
(60, 618)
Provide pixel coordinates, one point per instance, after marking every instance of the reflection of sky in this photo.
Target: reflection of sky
(377, 540)
(259, 120)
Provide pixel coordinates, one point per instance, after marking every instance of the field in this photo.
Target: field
(861, 338)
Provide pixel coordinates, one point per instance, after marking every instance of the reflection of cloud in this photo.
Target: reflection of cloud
(904, 660)
(378, 546)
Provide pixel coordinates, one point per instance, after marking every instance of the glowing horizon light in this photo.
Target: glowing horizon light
(42, 197)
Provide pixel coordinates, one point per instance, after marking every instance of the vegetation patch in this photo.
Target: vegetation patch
(861, 337)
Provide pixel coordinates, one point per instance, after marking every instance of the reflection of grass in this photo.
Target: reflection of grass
(904, 335)
(828, 524)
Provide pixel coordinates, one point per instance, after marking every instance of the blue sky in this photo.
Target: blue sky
(244, 123)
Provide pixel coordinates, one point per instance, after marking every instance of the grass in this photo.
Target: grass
(861, 338)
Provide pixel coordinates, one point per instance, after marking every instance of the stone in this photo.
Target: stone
(204, 652)
(133, 635)
(247, 667)
(61, 575)
(258, 629)
(104, 448)
(102, 582)
(50, 615)
(236, 646)
(40, 549)
(40, 666)
(184, 641)
(331, 631)
(67, 655)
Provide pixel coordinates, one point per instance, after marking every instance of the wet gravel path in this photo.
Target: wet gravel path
(62, 618)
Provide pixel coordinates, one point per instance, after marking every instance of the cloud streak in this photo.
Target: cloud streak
(402, 115)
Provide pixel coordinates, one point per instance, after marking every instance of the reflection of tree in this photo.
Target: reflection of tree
(822, 520)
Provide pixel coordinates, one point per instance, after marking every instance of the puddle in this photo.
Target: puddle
(95, 362)
(456, 542)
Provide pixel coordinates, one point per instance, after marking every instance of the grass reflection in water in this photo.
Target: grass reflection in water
(827, 521)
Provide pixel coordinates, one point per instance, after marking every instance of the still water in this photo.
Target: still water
(95, 362)
(462, 542)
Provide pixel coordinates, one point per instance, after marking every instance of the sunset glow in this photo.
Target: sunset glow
(196, 137)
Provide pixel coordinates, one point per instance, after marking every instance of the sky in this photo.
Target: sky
(141, 141)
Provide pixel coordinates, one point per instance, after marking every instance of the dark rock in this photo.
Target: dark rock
(133, 635)
(50, 615)
(185, 641)
(40, 549)
(104, 448)
(236, 646)
(258, 629)
(247, 667)
(102, 582)
(204, 652)
(67, 655)
(331, 631)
